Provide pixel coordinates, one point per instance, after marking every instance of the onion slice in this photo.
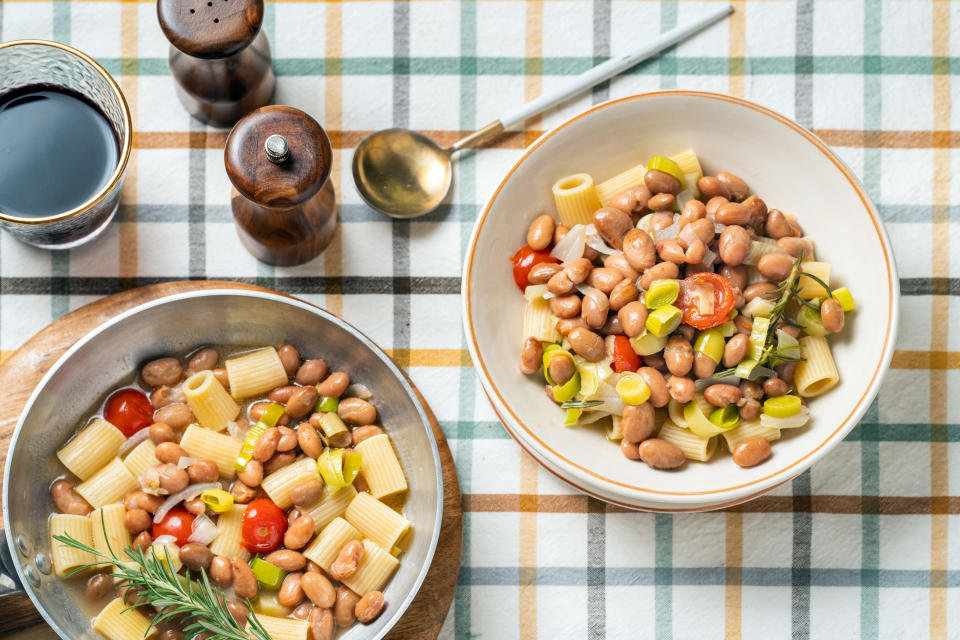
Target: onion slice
(761, 372)
(164, 539)
(357, 390)
(571, 247)
(187, 494)
(203, 530)
(185, 461)
(596, 242)
(667, 232)
(133, 441)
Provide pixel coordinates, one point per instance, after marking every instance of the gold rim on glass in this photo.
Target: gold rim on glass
(126, 143)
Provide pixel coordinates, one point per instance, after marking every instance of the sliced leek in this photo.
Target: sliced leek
(809, 321)
(633, 389)
(668, 166)
(568, 390)
(218, 500)
(782, 406)
(664, 320)
(269, 575)
(710, 343)
(726, 418)
(647, 344)
(845, 298)
(698, 422)
(758, 338)
(662, 292)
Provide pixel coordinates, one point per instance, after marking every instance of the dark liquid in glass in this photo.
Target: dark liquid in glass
(56, 150)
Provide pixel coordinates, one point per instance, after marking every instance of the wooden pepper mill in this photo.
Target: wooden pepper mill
(278, 159)
(219, 57)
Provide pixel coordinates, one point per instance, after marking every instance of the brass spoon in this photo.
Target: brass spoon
(405, 174)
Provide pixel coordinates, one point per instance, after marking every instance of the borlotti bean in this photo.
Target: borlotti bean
(239, 503)
(686, 293)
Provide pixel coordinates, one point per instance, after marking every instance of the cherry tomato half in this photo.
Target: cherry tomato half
(129, 410)
(176, 523)
(523, 260)
(624, 357)
(263, 526)
(694, 290)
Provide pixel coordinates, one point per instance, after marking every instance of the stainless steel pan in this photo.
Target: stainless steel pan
(111, 354)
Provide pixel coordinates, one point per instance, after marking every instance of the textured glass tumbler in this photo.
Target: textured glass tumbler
(28, 62)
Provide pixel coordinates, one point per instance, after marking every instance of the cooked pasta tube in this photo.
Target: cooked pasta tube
(749, 429)
(810, 288)
(576, 199)
(330, 506)
(110, 535)
(107, 485)
(675, 411)
(92, 448)
(118, 622)
(206, 444)
(380, 466)
(374, 569)
(227, 542)
(689, 164)
(612, 186)
(325, 547)
(694, 447)
(283, 628)
(281, 482)
(210, 402)
(817, 373)
(168, 554)
(254, 373)
(141, 458)
(376, 521)
(65, 558)
(539, 322)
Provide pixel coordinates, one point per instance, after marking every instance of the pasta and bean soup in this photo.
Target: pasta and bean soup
(262, 476)
(676, 309)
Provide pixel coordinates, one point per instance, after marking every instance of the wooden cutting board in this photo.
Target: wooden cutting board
(22, 371)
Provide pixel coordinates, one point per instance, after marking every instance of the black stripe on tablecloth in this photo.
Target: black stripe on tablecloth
(800, 569)
(347, 285)
(401, 228)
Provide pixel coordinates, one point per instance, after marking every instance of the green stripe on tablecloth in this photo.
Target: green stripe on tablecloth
(685, 65)
(466, 176)
(663, 575)
(60, 260)
(870, 451)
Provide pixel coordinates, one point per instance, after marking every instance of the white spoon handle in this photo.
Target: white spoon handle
(612, 67)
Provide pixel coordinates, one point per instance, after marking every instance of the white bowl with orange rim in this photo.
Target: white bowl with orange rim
(791, 169)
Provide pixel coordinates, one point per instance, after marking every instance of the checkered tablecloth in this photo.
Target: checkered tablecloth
(866, 544)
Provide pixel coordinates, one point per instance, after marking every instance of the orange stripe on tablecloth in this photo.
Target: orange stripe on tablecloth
(432, 357)
(348, 139)
(528, 500)
(127, 231)
(737, 49)
(333, 118)
(937, 360)
(940, 328)
(733, 560)
(832, 504)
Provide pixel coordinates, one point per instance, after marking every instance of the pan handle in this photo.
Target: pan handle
(9, 582)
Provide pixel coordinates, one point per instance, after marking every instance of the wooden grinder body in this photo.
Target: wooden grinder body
(285, 212)
(219, 57)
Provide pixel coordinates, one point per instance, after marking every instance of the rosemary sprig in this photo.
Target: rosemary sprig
(160, 586)
(581, 404)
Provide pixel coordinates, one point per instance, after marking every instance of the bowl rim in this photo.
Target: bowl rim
(719, 495)
(398, 611)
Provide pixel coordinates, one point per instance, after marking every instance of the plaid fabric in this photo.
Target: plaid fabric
(857, 547)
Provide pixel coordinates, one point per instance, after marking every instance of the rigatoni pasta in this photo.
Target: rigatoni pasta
(65, 559)
(817, 373)
(576, 199)
(91, 449)
(539, 321)
(693, 446)
(118, 622)
(228, 542)
(381, 467)
(327, 545)
(612, 186)
(210, 445)
(280, 483)
(255, 373)
(141, 458)
(376, 521)
(210, 402)
(284, 628)
(330, 506)
(110, 535)
(109, 484)
(374, 569)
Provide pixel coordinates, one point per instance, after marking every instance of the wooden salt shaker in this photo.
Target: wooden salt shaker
(278, 159)
(219, 57)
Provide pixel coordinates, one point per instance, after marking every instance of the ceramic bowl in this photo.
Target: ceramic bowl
(791, 169)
